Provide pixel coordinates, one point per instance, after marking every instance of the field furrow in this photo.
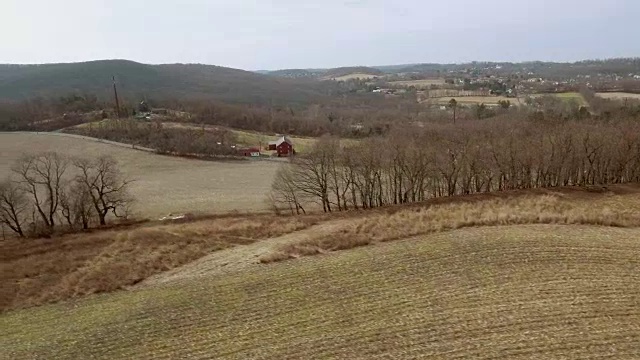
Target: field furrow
(521, 292)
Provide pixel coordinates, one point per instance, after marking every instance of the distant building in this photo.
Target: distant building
(283, 145)
(252, 151)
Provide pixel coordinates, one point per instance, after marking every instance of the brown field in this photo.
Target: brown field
(163, 184)
(559, 278)
(34, 272)
(518, 292)
(420, 84)
(618, 95)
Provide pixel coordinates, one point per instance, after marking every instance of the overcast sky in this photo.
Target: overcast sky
(276, 34)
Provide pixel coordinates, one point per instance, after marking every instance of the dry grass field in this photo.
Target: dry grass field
(493, 100)
(553, 208)
(516, 292)
(252, 138)
(301, 144)
(618, 95)
(163, 184)
(34, 272)
(419, 84)
(568, 96)
(520, 275)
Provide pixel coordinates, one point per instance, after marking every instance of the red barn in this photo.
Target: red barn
(283, 146)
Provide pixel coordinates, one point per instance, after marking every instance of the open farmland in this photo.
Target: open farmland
(301, 144)
(252, 138)
(163, 184)
(618, 95)
(420, 84)
(42, 271)
(352, 76)
(243, 137)
(567, 96)
(546, 284)
(471, 100)
(518, 292)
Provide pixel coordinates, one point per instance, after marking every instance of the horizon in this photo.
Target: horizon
(342, 66)
(287, 34)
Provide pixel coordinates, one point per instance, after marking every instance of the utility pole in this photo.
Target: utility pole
(115, 92)
(454, 114)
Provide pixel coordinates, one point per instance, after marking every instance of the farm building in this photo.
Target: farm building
(283, 145)
(252, 151)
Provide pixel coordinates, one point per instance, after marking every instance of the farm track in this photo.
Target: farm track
(517, 292)
(239, 258)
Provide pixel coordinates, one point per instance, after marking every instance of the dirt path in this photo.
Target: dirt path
(240, 257)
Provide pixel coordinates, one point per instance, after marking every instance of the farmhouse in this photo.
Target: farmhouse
(283, 145)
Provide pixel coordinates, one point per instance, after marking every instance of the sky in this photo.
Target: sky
(281, 34)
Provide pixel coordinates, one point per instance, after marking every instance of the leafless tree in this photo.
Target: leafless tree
(284, 191)
(13, 206)
(443, 160)
(105, 185)
(311, 172)
(77, 206)
(41, 176)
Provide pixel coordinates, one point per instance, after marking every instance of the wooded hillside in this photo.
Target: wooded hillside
(138, 81)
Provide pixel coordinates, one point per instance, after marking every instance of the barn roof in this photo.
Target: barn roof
(281, 140)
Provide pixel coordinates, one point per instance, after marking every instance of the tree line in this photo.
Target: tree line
(165, 139)
(337, 115)
(412, 164)
(49, 192)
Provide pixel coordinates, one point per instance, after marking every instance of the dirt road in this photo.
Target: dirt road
(240, 257)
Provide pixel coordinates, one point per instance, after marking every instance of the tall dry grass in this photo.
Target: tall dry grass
(543, 209)
(34, 272)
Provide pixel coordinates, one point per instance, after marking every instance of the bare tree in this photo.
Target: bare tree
(41, 176)
(433, 159)
(13, 204)
(77, 206)
(312, 172)
(105, 186)
(284, 191)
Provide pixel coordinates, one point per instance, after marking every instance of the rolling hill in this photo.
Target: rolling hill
(542, 285)
(517, 292)
(136, 80)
